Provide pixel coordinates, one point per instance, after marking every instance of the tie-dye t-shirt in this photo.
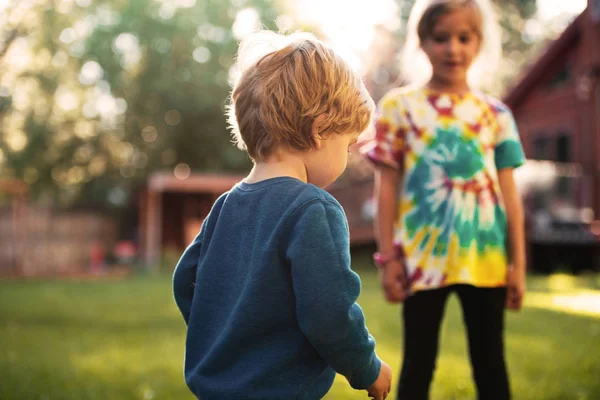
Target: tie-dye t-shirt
(451, 221)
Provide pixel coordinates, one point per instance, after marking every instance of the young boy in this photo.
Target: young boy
(266, 288)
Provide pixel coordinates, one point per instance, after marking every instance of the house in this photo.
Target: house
(556, 105)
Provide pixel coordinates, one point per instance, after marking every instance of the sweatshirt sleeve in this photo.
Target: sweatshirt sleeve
(184, 277)
(326, 290)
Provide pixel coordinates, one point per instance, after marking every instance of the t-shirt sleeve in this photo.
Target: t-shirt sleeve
(508, 150)
(326, 290)
(389, 144)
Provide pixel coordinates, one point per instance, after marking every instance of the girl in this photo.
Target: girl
(449, 216)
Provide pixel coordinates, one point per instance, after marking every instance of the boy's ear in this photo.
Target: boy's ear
(316, 130)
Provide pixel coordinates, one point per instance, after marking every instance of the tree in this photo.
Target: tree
(102, 93)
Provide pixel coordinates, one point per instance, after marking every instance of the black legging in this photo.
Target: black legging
(483, 313)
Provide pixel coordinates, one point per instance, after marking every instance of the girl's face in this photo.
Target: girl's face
(451, 48)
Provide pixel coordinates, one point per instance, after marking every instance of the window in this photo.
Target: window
(540, 148)
(563, 155)
(559, 78)
(595, 7)
(563, 148)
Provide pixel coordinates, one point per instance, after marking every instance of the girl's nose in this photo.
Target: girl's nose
(452, 46)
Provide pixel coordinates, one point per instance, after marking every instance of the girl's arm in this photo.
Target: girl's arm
(386, 151)
(516, 235)
(393, 274)
(387, 182)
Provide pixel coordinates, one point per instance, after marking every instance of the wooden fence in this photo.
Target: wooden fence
(39, 241)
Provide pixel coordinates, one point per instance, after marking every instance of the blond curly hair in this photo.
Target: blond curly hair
(282, 84)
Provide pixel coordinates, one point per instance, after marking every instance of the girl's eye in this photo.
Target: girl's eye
(465, 39)
(440, 39)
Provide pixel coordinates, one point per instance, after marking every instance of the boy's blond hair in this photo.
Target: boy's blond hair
(275, 100)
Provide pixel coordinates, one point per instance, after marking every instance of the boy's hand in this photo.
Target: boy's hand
(394, 281)
(515, 287)
(382, 386)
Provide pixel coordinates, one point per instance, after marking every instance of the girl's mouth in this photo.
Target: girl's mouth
(452, 64)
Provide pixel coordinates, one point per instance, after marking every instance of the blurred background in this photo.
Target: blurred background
(113, 147)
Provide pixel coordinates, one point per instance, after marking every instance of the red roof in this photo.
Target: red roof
(13, 186)
(196, 183)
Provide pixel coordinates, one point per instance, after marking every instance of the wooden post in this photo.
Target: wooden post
(595, 133)
(153, 238)
(19, 229)
(19, 191)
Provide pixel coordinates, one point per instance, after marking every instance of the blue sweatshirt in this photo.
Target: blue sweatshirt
(268, 296)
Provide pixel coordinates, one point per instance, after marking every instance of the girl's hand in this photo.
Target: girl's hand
(394, 281)
(515, 285)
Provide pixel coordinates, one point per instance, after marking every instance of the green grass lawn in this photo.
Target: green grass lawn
(124, 340)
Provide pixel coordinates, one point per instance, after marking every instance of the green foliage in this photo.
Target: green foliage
(118, 89)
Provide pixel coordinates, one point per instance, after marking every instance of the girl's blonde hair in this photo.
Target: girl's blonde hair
(416, 68)
(282, 83)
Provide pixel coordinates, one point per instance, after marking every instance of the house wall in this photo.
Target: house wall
(571, 108)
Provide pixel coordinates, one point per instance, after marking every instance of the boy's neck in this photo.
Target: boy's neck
(279, 165)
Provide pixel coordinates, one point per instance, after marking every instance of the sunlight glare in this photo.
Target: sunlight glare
(246, 22)
(549, 9)
(348, 25)
(582, 302)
